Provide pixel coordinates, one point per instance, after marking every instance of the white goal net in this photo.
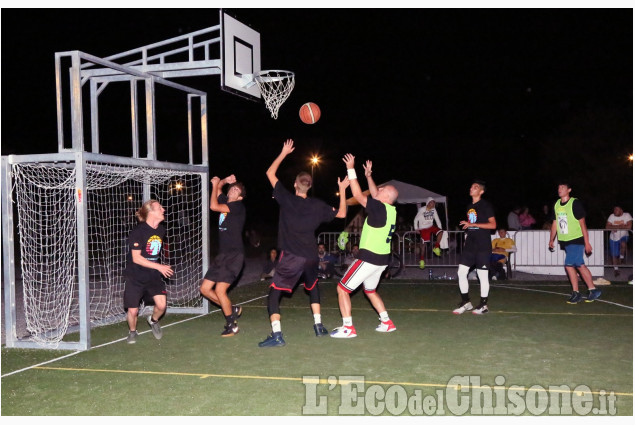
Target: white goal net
(46, 198)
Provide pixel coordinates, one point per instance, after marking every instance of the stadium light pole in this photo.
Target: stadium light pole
(314, 162)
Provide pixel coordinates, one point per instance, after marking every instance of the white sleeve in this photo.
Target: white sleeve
(436, 219)
(417, 218)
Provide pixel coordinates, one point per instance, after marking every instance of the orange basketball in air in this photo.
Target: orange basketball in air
(310, 113)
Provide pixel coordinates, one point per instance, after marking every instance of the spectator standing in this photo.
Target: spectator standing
(525, 219)
(513, 220)
(620, 223)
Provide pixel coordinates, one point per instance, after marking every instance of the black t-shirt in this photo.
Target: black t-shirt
(230, 226)
(150, 242)
(377, 217)
(477, 238)
(299, 218)
(578, 213)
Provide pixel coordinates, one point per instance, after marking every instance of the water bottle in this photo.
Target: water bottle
(430, 274)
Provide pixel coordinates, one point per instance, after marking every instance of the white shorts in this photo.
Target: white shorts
(361, 272)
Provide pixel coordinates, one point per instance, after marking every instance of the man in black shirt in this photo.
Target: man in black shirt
(231, 256)
(300, 216)
(143, 271)
(477, 249)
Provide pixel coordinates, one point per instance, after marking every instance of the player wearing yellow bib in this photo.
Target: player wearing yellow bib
(570, 225)
(374, 250)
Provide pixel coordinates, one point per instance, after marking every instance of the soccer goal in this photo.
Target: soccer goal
(73, 214)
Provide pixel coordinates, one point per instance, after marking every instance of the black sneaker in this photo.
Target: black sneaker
(273, 340)
(231, 329)
(575, 298)
(237, 311)
(594, 294)
(320, 330)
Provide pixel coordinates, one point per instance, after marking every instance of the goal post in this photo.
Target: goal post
(63, 266)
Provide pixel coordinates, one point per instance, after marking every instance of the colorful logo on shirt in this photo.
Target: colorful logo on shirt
(472, 216)
(153, 246)
(221, 220)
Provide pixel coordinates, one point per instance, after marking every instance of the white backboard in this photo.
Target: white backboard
(240, 56)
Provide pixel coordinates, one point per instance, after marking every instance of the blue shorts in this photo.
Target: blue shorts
(574, 255)
(615, 246)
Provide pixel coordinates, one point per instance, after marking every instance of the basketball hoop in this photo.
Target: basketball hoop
(275, 87)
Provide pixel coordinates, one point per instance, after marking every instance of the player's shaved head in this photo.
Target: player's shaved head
(391, 194)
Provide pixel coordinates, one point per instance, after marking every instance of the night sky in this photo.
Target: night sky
(435, 97)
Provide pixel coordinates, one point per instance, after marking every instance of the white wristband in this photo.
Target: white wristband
(351, 174)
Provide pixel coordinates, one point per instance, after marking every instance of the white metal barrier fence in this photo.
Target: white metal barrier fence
(532, 256)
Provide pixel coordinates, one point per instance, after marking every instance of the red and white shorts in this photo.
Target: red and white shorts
(425, 233)
(361, 272)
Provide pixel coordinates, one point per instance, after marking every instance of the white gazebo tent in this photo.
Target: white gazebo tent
(411, 194)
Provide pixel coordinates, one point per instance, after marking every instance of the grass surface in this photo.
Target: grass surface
(530, 337)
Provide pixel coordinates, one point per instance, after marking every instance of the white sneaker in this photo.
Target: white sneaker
(481, 309)
(388, 326)
(463, 307)
(344, 332)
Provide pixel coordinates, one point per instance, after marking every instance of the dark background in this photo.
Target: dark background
(434, 97)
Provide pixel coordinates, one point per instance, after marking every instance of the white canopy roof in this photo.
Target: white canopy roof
(408, 194)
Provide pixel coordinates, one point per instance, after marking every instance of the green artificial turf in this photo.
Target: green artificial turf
(531, 337)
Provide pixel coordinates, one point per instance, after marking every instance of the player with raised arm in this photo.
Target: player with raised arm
(374, 250)
(300, 216)
(231, 256)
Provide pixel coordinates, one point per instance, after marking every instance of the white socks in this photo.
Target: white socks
(276, 326)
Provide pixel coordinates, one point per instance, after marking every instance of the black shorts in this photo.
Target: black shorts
(226, 267)
(293, 268)
(136, 291)
(478, 259)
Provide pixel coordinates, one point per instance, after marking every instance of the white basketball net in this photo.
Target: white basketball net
(275, 87)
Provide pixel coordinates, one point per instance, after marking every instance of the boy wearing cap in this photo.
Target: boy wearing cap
(477, 249)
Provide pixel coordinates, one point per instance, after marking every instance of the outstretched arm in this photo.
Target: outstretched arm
(343, 184)
(287, 148)
(349, 160)
(368, 170)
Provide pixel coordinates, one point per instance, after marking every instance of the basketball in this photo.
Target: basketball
(310, 113)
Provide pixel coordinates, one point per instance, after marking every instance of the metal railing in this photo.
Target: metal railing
(532, 256)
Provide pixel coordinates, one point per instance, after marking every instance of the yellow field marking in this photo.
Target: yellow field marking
(322, 381)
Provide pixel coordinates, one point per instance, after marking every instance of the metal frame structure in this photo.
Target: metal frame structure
(132, 67)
